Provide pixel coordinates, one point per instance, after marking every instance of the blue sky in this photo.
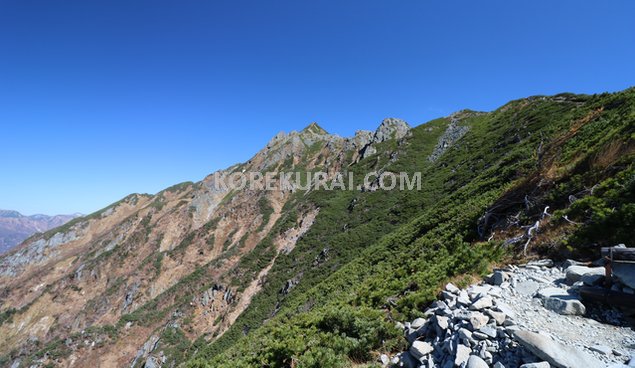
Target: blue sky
(99, 99)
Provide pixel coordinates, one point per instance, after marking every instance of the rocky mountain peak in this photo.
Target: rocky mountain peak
(314, 128)
(391, 128)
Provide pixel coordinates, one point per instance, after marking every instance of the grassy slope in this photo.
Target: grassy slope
(398, 247)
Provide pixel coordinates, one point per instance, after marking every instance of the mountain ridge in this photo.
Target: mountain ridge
(204, 275)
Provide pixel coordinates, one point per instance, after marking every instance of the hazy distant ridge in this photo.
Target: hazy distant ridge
(15, 227)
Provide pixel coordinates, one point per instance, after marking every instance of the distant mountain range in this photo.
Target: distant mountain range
(16, 227)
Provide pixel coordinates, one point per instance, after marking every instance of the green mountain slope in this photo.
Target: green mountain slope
(200, 276)
(372, 258)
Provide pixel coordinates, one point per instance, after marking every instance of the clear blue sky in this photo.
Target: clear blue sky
(99, 99)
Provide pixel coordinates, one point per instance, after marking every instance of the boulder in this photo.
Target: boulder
(417, 323)
(452, 288)
(555, 353)
(463, 299)
(384, 359)
(575, 273)
(561, 302)
(442, 322)
(477, 291)
(499, 317)
(476, 362)
(489, 331)
(482, 303)
(536, 365)
(479, 335)
(419, 349)
(478, 320)
(462, 355)
(464, 333)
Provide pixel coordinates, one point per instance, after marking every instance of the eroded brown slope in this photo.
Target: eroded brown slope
(64, 293)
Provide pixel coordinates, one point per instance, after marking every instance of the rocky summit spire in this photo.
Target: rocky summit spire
(391, 128)
(314, 128)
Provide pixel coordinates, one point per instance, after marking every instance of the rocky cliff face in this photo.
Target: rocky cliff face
(15, 227)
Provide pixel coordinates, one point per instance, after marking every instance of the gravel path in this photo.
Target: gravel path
(576, 331)
(523, 316)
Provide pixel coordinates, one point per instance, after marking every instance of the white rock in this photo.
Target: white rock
(384, 359)
(419, 349)
(575, 273)
(479, 335)
(482, 303)
(476, 362)
(555, 353)
(452, 288)
(536, 365)
(499, 317)
(489, 331)
(463, 299)
(442, 322)
(464, 333)
(417, 323)
(561, 302)
(478, 320)
(462, 355)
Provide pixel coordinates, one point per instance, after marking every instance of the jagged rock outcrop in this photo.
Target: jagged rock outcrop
(390, 128)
